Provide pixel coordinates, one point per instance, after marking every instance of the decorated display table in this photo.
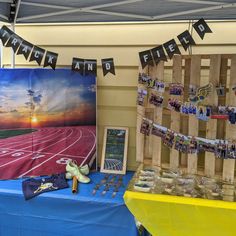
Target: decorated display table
(61, 213)
(168, 215)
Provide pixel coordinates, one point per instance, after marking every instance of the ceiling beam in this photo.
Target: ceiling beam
(231, 5)
(13, 58)
(90, 8)
(7, 1)
(118, 14)
(113, 4)
(45, 5)
(84, 10)
(17, 10)
(1, 53)
(3, 17)
(199, 2)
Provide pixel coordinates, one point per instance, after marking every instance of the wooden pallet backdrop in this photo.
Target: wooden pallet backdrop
(196, 70)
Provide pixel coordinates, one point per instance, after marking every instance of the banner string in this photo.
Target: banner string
(191, 32)
(224, 149)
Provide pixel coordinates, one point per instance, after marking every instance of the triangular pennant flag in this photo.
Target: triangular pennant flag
(50, 59)
(158, 54)
(78, 65)
(146, 58)
(186, 39)
(202, 28)
(108, 66)
(14, 42)
(171, 48)
(37, 55)
(5, 34)
(25, 49)
(90, 66)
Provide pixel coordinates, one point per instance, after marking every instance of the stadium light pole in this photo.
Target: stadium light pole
(13, 59)
(15, 14)
(1, 55)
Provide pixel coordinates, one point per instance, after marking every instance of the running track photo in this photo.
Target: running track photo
(46, 151)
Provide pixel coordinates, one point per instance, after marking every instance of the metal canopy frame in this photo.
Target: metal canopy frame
(92, 9)
(58, 13)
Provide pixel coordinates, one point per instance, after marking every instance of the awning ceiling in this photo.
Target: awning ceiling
(60, 11)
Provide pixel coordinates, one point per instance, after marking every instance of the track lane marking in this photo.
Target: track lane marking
(47, 153)
(31, 153)
(91, 149)
(32, 139)
(52, 156)
(23, 149)
(14, 139)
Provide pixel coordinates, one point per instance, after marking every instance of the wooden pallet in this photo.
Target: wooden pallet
(197, 70)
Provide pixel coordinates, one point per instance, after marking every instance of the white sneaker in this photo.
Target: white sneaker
(73, 169)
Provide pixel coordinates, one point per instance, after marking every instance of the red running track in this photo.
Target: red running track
(46, 151)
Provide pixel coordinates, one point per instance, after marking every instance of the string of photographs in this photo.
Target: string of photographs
(190, 107)
(157, 54)
(224, 149)
(35, 53)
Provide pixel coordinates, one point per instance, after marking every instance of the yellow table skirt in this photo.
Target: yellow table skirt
(164, 215)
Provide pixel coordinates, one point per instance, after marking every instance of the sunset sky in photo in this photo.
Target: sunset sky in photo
(46, 98)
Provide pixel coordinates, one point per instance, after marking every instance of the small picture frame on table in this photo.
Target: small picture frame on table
(114, 151)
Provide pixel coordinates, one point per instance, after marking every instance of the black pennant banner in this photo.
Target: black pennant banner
(37, 55)
(158, 54)
(146, 58)
(202, 28)
(90, 66)
(186, 39)
(14, 42)
(171, 48)
(108, 66)
(5, 34)
(50, 59)
(25, 49)
(78, 65)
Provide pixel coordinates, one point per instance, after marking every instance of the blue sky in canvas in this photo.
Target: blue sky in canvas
(54, 97)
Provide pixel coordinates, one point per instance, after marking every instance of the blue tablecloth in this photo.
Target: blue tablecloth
(60, 213)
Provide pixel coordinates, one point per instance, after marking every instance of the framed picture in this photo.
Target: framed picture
(114, 151)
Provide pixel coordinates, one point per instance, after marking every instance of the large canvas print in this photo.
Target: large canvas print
(46, 119)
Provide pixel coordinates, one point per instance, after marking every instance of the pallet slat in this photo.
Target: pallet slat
(158, 112)
(152, 71)
(229, 165)
(222, 101)
(187, 69)
(211, 126)
(140, 138)
(193, 123)
(175, 116)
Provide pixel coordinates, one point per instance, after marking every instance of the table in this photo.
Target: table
(165, 215)
(62, 214)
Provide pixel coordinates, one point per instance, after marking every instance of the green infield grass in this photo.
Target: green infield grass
(14, 132)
